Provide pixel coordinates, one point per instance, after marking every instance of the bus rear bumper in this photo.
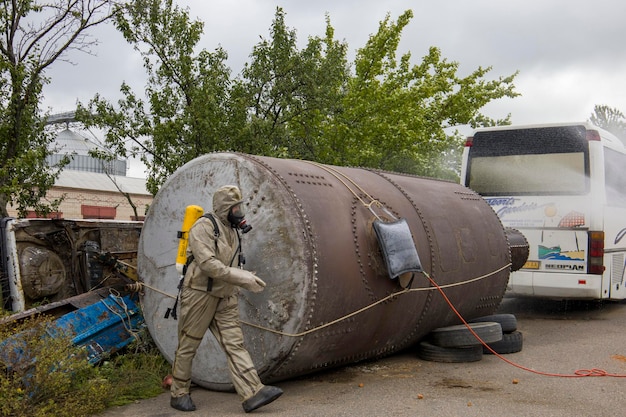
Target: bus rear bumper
(551, 285)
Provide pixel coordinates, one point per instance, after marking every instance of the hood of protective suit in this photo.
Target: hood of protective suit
(224, 198)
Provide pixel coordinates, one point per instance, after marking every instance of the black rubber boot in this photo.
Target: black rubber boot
(183, 403)
(266, 395)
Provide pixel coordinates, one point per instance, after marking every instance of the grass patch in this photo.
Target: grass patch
(49, 376)
(136, 374)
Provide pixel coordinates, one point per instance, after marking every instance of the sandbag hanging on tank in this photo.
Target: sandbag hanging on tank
(397, 247)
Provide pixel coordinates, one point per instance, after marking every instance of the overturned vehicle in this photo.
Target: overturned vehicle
(78, 273)
(47, 261)
(324, 240)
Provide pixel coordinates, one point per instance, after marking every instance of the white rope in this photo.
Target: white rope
(354, 313)
(340, 176)
(120, 301)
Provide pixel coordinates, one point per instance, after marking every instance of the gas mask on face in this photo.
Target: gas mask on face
(237, 219)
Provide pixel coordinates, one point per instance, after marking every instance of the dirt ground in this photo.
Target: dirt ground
(560, 338)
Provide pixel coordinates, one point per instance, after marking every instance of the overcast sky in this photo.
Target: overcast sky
(570, 54)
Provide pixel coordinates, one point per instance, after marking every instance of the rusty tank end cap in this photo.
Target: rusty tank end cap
(518, 245)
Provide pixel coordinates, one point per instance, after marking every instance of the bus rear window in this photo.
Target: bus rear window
(538, 161)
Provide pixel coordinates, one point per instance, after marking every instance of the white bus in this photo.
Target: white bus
(564, 187)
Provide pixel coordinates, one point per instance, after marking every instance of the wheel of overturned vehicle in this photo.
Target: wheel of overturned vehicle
(433, 353)
(508, 322)
(43, 272)
(510, 343)
(461, 336)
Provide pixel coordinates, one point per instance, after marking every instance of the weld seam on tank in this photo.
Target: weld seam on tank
(426, 227)
(472, 195)
(366, 284)
(499, 297)
(337, 175)
(313, 247)
(467, 195)
(340, 176)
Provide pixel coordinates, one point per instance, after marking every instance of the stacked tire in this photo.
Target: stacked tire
(455, 344)
(512, 339)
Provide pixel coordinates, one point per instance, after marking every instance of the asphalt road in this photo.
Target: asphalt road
(559, 338)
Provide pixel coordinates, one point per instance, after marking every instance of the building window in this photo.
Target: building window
(97, 212)
(31, 214)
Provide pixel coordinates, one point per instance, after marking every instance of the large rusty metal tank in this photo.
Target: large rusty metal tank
(329, 300)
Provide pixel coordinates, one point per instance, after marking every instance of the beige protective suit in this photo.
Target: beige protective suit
(216, 309)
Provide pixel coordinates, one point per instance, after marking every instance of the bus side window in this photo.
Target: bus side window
(615, 177)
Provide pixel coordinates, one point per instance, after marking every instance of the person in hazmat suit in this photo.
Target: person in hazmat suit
(209, 300)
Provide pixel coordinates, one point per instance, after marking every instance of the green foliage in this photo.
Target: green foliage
(135, 375)
(24, 143)
(610, 119)
(48, 376)
(292, 94)
(395, 113)
(34, 37)
(389, 115)
(186, 111)
(45, 376)
(295, 103)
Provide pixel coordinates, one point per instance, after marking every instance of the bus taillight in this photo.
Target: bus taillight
(593, 135)
(596, 253)
(469, 141)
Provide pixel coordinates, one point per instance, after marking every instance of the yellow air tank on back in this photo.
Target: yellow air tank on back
(192, 213)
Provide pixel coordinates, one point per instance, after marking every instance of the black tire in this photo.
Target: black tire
(461, 336)
(430, 352)
(510, 343)
(508, 322)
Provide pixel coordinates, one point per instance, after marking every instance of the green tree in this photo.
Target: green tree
(186, 112)
(395, 114)
(292, 94)
(389, 114)
(610, 119)
(33, 36)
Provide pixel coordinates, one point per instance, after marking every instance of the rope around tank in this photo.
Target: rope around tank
(140, 285)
